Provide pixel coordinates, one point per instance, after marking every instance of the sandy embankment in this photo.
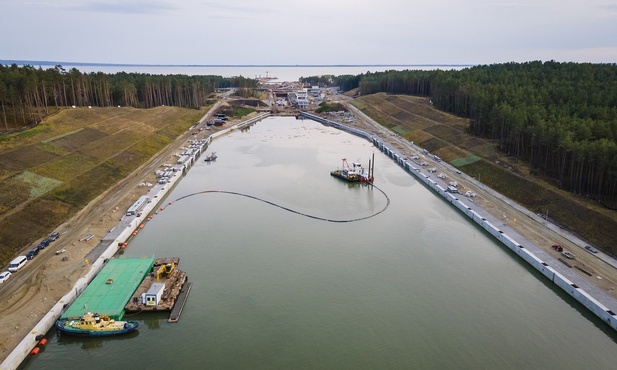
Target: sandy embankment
(32, 292)
(602, 274)
(22, 307)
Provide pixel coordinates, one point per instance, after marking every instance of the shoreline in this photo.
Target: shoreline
(17, 343)
(107, 222)
(598, 296)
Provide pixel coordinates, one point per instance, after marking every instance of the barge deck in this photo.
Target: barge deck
(165, 272)
(111, 288)
(177, 311)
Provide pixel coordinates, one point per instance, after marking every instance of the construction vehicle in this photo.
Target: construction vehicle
(165, 270)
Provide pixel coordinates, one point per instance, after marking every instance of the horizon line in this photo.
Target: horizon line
(54, 63)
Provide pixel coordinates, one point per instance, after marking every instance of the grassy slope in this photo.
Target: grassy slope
(445, 135)
(53, 170)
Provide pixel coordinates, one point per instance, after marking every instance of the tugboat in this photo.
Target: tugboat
(355, 172)
(210, 157)
(94, 325)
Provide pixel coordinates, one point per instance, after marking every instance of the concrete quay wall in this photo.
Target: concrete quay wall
(590, 301)
(111, 242)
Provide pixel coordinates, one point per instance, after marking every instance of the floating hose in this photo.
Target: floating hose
(291, 210)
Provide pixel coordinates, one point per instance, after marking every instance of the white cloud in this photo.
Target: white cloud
(125, 7)
(99, 6)
(309, 32)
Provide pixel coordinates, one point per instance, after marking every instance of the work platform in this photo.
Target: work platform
(177, 311)
(109, 291)
(164, 272)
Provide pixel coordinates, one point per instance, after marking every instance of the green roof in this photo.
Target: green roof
(112, 288)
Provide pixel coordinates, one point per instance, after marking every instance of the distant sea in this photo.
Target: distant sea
(280, 73)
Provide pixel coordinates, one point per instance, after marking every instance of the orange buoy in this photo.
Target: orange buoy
(35, 351)
(123, 245)
(134, 232)
(141, 226)
(149, 218)
(156, 213)
(43, 342)
(162, 208)
(170, 203)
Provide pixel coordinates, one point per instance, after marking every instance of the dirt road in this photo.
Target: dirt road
(601, 274)
(31, 292)
(44, 280)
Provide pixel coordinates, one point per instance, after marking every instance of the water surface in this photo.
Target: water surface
(416, 287)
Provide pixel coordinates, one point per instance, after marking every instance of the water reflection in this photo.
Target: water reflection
(153, 320)
(419, 286)
(88, 343)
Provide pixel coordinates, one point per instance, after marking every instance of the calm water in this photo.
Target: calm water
(416, 287)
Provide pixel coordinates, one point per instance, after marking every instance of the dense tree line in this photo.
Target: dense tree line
(559, 117)
(27, 93)
(344, 82)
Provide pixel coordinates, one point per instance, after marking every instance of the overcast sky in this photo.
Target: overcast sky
(308, 32)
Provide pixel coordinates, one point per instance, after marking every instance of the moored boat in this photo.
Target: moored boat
(93, 325)
(210, 157)
(353, 173)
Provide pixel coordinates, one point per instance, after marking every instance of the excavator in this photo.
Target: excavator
(165, 270)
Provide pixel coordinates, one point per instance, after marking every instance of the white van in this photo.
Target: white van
(17, 263)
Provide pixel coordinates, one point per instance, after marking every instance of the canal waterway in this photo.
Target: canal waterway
(418, 286)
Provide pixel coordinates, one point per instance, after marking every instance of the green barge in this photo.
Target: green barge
(112, 288)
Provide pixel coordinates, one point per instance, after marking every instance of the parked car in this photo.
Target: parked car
(569, 255)
(591, 249)
(53, 236)
(32, 253)
(4, 276)
(43, 244)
